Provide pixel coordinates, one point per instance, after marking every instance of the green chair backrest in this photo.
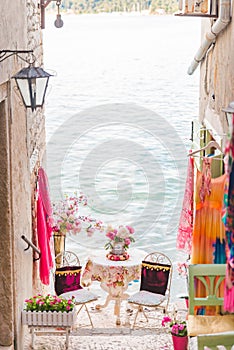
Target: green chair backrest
(212, 340)
(211, 276)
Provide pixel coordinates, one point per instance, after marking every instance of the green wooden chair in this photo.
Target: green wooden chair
(213, 330)
(212, 341)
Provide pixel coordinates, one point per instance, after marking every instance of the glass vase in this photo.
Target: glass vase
(118, 248)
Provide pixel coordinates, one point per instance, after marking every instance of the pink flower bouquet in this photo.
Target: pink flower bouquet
(123, 234)
(67, 218)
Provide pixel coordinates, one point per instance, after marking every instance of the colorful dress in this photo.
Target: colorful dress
(228, 219)
(208, 241)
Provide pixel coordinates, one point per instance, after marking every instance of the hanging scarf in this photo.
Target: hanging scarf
(184, 236)
(44, 230)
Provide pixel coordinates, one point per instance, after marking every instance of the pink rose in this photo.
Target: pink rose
(127, 241)
(111, 235)
(130, 229)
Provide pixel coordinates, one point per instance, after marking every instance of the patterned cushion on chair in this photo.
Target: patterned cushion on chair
(81, 296)
(67, 279)
(154, 277)
(146, 298)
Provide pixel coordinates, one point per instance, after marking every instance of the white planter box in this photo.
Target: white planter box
(48, 318)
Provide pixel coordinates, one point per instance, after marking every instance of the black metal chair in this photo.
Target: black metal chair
(67, 281)
(156, 274)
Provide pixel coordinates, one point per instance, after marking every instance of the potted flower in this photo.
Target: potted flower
(119, 241)
(178, 330)
(48, 310)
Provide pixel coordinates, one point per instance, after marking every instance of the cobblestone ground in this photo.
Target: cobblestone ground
(106, 335)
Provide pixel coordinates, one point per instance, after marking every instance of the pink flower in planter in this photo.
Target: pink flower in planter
(178, 327)
(165, 320)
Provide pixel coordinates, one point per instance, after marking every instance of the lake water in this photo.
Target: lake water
(118, 121)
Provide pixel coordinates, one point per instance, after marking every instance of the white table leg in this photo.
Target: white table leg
(117, 310)
(101, 306)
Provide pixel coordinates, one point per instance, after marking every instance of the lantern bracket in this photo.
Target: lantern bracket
(4, 54)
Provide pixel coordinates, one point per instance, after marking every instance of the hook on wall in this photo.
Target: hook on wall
(30, 244)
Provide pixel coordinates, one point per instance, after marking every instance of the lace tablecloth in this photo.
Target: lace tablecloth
(114, 276)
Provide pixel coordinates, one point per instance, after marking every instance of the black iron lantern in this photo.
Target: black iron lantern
(32, 83)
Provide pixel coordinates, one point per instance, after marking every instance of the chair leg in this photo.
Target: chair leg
(142, 310)
(86, 309)
(33, 337)
(139, 309)
(79, 309)
(67, 337)
(88, 315)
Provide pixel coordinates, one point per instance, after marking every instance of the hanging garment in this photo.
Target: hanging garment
(229, 289)
(208, 240)
(228, 220)
(44, 230)
(184, 236)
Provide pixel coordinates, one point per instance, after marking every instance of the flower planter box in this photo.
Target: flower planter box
(43, 319)
(48, 318)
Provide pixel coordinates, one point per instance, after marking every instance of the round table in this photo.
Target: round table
(114, 276)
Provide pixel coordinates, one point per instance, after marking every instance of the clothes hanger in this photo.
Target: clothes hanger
(207, 157)
(210, 144)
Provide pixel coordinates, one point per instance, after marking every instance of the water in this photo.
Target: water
(118, 121)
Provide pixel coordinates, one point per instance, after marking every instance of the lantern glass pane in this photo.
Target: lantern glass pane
(24, 90)
(41, 90)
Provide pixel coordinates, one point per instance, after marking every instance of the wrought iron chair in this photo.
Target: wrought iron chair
(67, 281)
(156, 274)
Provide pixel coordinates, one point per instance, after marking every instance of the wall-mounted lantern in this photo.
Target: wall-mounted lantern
(31, 81)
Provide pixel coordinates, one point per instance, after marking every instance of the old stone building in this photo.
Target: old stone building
(216, 55)
(22, 145)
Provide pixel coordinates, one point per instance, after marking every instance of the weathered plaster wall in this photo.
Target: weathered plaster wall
(217, 77)
(21, 132)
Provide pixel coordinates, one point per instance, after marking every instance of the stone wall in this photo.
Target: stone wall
(21, 133)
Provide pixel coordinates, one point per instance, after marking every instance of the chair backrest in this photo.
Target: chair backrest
(67, 258)
(156, 273)
(67, 275)
(211, 276)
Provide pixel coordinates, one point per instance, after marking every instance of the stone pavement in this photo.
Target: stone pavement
(107, 336)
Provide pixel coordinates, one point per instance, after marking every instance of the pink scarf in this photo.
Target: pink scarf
(44, 230)
(184, 237)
